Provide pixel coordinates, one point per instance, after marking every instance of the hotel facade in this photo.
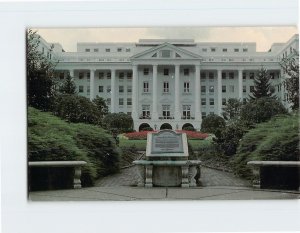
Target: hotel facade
(169, 83)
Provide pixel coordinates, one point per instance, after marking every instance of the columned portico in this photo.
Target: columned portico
(154, 93)
(134, 113)
(177, 114)
(113, 90)
(92, 84)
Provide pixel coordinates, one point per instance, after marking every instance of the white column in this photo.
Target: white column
(92, 84)
(134, 113)
(154, 94)
(113, 91)
(198, 116)
(177, 114)
(219, 91)
(71, 72)
(240, 84)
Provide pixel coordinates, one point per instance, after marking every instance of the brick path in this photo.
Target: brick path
(209, 177)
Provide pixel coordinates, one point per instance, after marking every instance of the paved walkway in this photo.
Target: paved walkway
(216, 185)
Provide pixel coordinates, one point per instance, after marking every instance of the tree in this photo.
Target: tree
(212, 124)
(39, 72)
(290, 66)
(118, 123)
(261, 110)
(101, 107)
(68, 86)
(232, 109)
(262, 86)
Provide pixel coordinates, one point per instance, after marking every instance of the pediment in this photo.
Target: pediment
(166, 51)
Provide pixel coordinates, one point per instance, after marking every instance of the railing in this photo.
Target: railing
(187, 118)
(145, 117)
(165, 117)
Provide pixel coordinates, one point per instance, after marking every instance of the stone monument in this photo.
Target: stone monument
(167, 163)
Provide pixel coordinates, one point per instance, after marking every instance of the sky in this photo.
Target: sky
(263, 36)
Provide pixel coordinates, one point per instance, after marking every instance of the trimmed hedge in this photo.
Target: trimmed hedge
(50, 139)
(277, 139)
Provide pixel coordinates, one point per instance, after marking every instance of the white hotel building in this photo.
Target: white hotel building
(170, 82)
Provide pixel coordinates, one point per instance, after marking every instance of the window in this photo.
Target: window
(166, 87)
(186, 72)
(224, 50)
(231, 75)
(121, 101)
(272, 75)
(223, 101)
(211, 101)
(203, 76)
(251, 88)
(223, 75)
(87, 50)
(100, 88)
(129, 75)
(43, 50)
(231, 88)
(146, 71)
(119, 49)
(145, 111)
(108, 101)
(251, 75)
(244, 100)
(101, 75)
(108, 89)
(96, 50)
(88, 89)
(121, 89)
(80, 89)
(165, 53)
(146, 87)
(127, 50)
(88, 75)
(236, 50)
(186, 87)
(166, 111)
(61, 75)
(129, 89)
(203, 115)
(291, 49)
(244, 89)
(129, 113)
(186, 111)
(121, 75)
(107, 50)
(129, 101)
(244, 76)
(203, 101)
(203, 90)
(166, 72)
(211, 75)
(204, 49)
(213, 49)
(245, 50)
(80, 75)
(50, 56)
(211, 89)
(224, 89)
(108, 75)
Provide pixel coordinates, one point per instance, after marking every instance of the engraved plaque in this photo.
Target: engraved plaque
(167, 141)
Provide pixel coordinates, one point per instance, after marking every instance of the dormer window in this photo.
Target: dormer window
(224, 50)
(127, 50)
(96, 50)
(236, 50)
(213, 49)
(165, 53)
(87, 50)
(107, 50)
(245, 50)
(119, 49)
(204, 49)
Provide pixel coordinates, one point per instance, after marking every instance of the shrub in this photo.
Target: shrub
(261, 110)
(147, 129)
(74, 108)
(277, 139)
(50, 139)
(212, 124)
(118, 122)
(189, 128)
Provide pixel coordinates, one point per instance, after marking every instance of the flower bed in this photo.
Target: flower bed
(143, 135)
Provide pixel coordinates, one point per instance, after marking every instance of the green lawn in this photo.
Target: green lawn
(141, 144)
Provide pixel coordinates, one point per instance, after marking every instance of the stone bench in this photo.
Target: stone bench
(265, 171)
(189, 170)
(75, 164)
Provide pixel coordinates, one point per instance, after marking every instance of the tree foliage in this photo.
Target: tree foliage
(261, 110)
(101, 107)
(118, 123)
(213, 124)
(39, 72)
(262, 86)
(290, 66)
(68, 86)
(232, 109)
